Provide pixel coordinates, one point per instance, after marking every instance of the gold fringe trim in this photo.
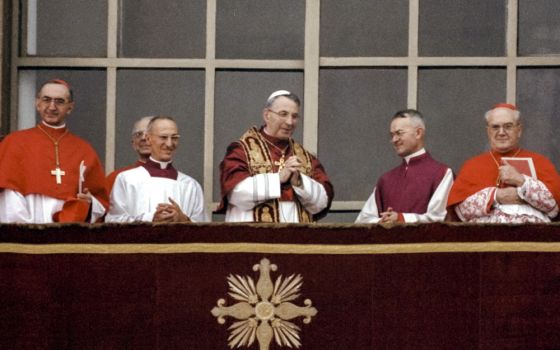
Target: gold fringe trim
(268, 248)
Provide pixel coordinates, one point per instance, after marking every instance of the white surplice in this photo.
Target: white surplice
(36, 208)
(136, 194)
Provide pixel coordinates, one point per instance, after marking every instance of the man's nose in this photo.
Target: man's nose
(169, 142)
(502, 130)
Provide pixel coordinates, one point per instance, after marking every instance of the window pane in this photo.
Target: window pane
(462, 28)
(66, 28)
(364, 28)
(341, 217)
(163, 29)
(453, 102)
(539, 27)
(355, 108)
(175, 93)
(240, 98)
(87, 119)
(260, 29)
(538, 89)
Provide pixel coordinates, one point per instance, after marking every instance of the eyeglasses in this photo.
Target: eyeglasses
(57, 101)
(285, 114)
(507, 127)
(138, 134)
(398, 133)
(164, 138)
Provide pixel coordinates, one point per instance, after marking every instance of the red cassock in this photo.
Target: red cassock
(27, 158)
(482, 172)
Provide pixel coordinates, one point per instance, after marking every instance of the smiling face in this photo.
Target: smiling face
(281, 118)
(140, 140)
(503, 129)
(53, 104)
(163, 138)
(406, 137)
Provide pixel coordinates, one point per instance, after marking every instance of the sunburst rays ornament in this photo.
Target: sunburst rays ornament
(264, 309)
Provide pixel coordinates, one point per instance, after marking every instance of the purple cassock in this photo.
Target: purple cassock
(408, 188)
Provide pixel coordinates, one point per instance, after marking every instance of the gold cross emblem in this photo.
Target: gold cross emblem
(280, 163)
(264, 309)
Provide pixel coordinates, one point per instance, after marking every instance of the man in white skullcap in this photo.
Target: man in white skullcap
(266, 176)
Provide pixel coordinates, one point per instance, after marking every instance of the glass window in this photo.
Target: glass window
(264, 29)
(364, 28)
(175, 93)
(347, 216)
(453, 102)
(240, 98)
(66, 28)
(87, 119)
(356, 102)
(539, 27)
(355, 108)
(162, 29)
(538, 89)
(462, 28)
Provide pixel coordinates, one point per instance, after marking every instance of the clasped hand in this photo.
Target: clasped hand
(170, 213)
(291, 170)
(389, 217)
(511, 177)
(508, 195)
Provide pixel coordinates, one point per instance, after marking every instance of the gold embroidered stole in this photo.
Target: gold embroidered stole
(260, 162)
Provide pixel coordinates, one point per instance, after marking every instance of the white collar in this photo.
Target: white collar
(163, 165)
(54, 127)
(415, 154)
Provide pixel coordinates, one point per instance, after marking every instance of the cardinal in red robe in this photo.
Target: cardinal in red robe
(492, 187)
(48, 174)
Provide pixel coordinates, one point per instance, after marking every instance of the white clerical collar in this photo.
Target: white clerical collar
(415, 154)
(163, 165)
(53, 126)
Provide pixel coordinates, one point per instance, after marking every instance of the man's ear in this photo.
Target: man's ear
(265, 115)
(420, 132)
(70, 107)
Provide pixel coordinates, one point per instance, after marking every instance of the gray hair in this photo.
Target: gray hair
(156, 118)
(516, 113)
(134, 127)
(415, 117)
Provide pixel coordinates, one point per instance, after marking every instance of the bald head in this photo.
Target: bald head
(139, 141)
(163, 137)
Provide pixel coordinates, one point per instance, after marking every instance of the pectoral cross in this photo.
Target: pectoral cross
(58, 173)
(280, 163)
